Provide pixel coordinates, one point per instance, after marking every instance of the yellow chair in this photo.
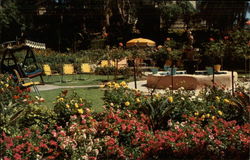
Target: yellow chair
(107, 63)
(48, 72)
(86, 68)
(68, 69)
(21, 82)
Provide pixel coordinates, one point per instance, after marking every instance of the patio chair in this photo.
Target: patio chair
(107, 63)
(68, 69)
(86, 69)
(48, 72)
(23, 84)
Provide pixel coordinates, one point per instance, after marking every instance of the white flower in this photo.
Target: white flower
(85, 157)
(89, 149)
(200, 99)
(170, 123)
(84, 136)
(96, 151)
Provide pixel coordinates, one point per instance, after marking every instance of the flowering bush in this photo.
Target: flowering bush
(69, 104)
(15, 104)
(173, 125)
(120, 131)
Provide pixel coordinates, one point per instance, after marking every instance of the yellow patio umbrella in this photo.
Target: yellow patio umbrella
(140, 42)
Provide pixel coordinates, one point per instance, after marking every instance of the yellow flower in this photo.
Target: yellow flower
(220, 113)
(76, 105)
(226, 101)
(1, 82)
(212, 107)
(109, 84)
(170, 99)
(60, 99)
(213, 117)
(127, 103)
(80, 111)
(196, 113)
(138, 100)
(102, 86)
(67, 105)
(203, 116)
(217, 99)
(123, 83)
(6, 85)
(116, 86)
(157, 95)
(208, 115)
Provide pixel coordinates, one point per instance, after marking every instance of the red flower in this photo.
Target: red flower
(116, 133)
(121, 44)
(36, 149)
(226, 37)
(17, 156)
(53, 143)
(51, 157)
(168, 39)
(211, 39)
(16, 97)
(6, 158)
(123, 127)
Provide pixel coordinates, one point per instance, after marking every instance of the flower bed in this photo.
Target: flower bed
(213, 125)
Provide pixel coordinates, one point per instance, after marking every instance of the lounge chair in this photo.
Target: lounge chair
(48, 72)
(68, 69)
(85, 69)
(23, 84)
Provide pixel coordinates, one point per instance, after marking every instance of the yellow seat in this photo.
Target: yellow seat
(107, 63)
(68, 69)
(86, 68)
(48, 72)
(23, 84)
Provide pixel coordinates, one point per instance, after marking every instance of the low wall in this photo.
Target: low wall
(189, 81)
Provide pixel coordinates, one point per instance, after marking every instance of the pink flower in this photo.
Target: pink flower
(17, 156)
(116, 133)
(121, 44)
(226, 37)
(211, 39)
(123, 127)
(53, 143)
(6, 158)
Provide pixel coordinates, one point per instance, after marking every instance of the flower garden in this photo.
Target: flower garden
(133, 125)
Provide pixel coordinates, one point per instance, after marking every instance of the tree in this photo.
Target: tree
(222, 14)
(10, 20)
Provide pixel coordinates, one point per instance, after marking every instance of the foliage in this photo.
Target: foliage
(223, 14)
(215, 49)
(133, 125)
(69, 104)
(111, 70)
(15, 105)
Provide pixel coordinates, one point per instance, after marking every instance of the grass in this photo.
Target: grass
(93, 95)
(78, 80)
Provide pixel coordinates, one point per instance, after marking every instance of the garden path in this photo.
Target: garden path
(141, 85)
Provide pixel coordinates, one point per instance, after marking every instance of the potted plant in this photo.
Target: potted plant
(216, 50)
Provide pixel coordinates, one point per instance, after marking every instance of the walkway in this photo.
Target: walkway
(141, 85)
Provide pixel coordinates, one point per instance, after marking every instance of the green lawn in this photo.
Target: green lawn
(94, 95)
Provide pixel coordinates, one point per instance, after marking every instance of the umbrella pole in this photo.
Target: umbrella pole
(135, 75)
(232, 82)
